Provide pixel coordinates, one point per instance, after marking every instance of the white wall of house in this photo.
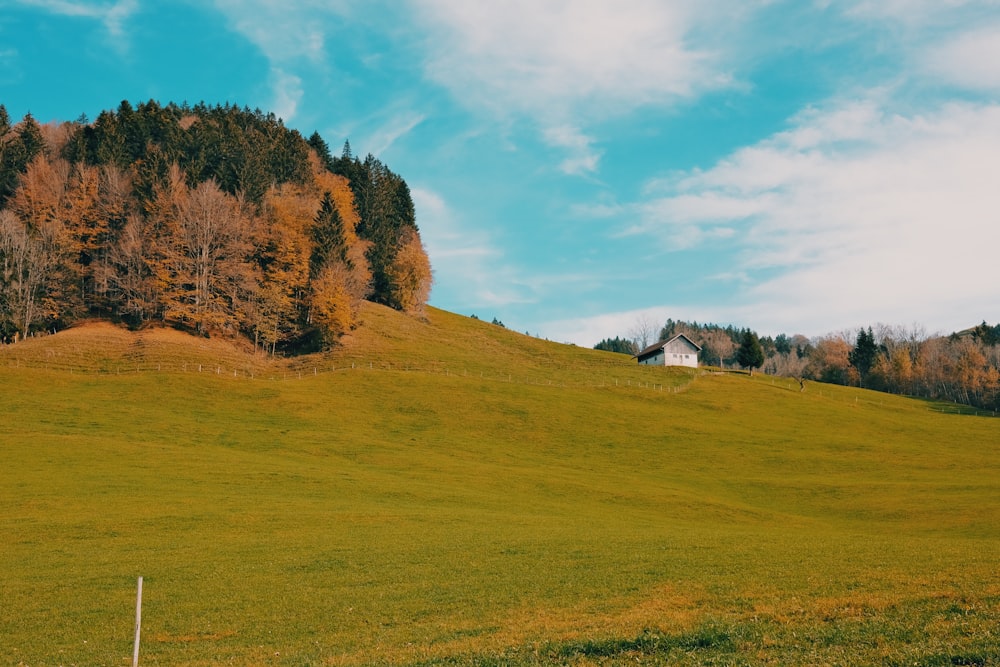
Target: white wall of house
(680, 353)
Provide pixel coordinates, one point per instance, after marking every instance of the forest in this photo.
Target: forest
(963, 367)
(215, 219)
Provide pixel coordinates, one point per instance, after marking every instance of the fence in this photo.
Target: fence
(301, 371)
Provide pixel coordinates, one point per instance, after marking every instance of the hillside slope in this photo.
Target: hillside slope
(442, 490)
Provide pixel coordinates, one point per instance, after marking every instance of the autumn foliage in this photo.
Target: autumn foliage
(218, 220)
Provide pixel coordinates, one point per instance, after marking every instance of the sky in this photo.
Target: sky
(580, 168)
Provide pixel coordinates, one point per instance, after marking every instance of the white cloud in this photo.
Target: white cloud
(112, 14)
(283, 31)
(910, 11)
(854, 215)
(396, 127)
(289, 35)
(588, 331)
(970, 59)
(544, 58)
(9, 66)
(287, 93)
(583, 157)
(466, 256)
(568, 63)
(114, 19)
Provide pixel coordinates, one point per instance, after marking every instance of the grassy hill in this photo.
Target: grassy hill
(445, 491)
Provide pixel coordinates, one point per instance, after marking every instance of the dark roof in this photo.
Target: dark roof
(656, 347)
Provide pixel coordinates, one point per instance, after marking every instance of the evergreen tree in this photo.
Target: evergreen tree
(30, 138)
(864, 354)
(18, 147)
(782, 344)
(751, 354)
(329, 242)
(8, 176)
(616, 344)
(318, 144)
(986, 334)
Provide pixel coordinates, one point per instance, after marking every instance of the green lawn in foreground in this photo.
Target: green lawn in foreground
(421, 508)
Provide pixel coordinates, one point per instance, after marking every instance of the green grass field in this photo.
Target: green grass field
(444, 491)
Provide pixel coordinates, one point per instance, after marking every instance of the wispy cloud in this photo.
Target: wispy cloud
(565, 64)
(853, 215)
(283, 31)
(396, 127)
(9, 69)
(112, 14)
(583, 157)
(458, 251)
(287, 93)
(545, 57)
(970, 59)
(911, 11)
(292, 36)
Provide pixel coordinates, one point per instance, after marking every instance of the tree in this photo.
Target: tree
(988, 335)
(409, 274)
(318, 144)
(330, 304)
(281, 300)
(328, 240)
(208, 258)
(18, 148)
(642, 332)
(782, 344)
(863, 356)
(331, 308)
(751, 354)
(616, 344)
(828, 360)
(22, 273)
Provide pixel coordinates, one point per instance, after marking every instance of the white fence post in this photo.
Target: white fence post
(138, 624)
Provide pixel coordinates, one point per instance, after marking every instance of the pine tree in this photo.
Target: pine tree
(8, 174)
(751, 354)
(329, 244)
(318, 144)
(18, 147)
(864, 354)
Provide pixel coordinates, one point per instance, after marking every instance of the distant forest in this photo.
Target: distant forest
(963, 367)
(215, 219)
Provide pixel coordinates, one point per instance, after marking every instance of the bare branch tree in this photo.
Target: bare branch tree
(642, 332)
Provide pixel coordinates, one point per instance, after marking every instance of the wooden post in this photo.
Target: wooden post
(138, 625)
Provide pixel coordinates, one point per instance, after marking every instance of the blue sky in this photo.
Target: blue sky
(580, 167)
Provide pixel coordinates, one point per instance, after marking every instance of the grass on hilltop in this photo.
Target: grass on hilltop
(444, 491)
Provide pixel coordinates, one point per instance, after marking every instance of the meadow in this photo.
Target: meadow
(443, 491)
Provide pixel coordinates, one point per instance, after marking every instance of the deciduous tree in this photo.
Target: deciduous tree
(410, 274)
(210, 252)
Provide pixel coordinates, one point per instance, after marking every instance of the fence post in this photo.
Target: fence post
(138, 625)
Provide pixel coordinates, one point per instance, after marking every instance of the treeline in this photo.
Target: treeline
(963, 367)
(217, 219)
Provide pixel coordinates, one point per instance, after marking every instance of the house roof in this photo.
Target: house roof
(656, 347)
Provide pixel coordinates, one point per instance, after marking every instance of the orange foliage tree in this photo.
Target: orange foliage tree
(410, 273)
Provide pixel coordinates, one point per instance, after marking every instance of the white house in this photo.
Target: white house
(678, 351)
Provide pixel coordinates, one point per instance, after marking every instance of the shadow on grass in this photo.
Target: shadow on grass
(650, 645)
